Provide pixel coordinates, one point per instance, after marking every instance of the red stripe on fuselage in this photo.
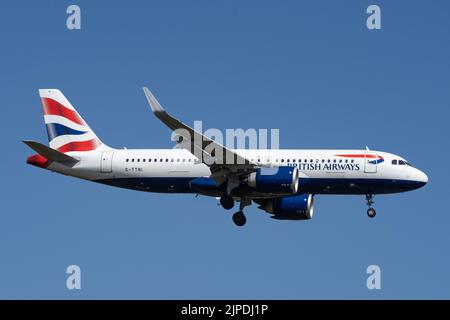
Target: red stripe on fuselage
(80, 146)
(53, 107)
(372, 156)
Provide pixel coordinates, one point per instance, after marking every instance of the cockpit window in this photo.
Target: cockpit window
(401, 162)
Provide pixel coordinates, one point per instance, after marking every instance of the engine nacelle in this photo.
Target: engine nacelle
(298, 207)
(203, 185)
(279, 180)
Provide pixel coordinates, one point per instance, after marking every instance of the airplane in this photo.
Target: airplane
(281, 182)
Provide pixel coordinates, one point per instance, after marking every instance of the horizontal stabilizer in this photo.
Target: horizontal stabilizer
(50, 154)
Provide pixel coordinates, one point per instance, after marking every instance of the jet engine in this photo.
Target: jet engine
(279, 180)
(298, 207)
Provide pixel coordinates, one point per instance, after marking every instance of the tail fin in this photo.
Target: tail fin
(66, 129)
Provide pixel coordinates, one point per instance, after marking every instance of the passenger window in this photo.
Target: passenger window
(171, 160)
(149, 160)
(282, 160)
(132, 160)
(143, 160)
(288, 160)
(161, 160)
(167, 159)
(127, 160)
(394, 162)
(184, 160)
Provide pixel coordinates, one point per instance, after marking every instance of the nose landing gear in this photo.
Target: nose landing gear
(371, 211)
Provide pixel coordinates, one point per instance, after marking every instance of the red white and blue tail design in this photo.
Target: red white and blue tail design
(66, 129)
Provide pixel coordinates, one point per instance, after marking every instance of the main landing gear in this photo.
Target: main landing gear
(227, 202)
(239, 218)
(371, 211)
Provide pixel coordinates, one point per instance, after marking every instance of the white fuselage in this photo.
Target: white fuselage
(321, 171)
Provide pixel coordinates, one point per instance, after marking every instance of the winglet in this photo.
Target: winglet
(161, 114)
(154, 104)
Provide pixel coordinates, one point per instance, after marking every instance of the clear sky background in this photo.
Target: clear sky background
(310, 68)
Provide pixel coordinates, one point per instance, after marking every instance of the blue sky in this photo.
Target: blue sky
(310, 68)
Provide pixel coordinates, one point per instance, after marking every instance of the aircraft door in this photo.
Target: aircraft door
(370, 164)
(106, 162)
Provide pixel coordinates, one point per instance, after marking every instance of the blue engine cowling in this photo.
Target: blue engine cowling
(204, 185)
(298, 207)
(279, 180)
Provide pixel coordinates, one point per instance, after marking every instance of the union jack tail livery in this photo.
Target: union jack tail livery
(66, 129)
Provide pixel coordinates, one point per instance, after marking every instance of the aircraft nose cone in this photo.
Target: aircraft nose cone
(422, 178)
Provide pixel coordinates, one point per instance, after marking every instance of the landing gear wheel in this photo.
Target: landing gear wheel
(371, 212)
(239, 218)
(227, 202)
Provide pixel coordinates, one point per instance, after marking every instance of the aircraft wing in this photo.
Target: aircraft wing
(221, 160)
